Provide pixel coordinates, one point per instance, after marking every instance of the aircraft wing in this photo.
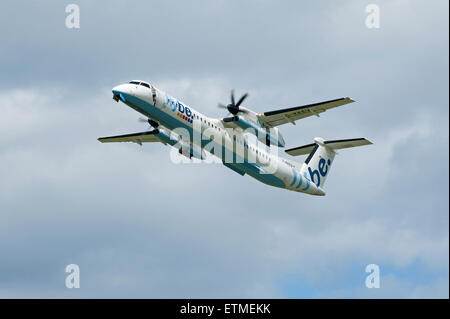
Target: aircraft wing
(139, 138)
(290, 115)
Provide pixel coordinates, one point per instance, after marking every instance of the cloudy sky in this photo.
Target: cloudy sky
(139, 225)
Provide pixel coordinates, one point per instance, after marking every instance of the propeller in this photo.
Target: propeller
(233, 107)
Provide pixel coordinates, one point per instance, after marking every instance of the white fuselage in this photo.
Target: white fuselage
(172, 115)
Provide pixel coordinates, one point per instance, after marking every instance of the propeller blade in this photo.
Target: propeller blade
(233, 107)
(149, 122)
(241, 99)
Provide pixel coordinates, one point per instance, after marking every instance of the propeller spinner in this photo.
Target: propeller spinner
(233, 107)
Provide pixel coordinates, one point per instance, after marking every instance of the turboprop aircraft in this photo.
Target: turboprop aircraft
(192, 134)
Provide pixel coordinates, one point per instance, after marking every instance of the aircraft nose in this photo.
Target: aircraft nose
(120, 91)
(122, 88)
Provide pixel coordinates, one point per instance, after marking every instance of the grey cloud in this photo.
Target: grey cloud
(141, 226)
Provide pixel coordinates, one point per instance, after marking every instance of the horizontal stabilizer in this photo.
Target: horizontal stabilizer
(301, 150)
(352, 142)
(334, 144)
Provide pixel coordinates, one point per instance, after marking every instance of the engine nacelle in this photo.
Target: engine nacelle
(269, 136)
(187, 149)
(192, 151)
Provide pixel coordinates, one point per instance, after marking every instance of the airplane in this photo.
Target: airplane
(229, 138)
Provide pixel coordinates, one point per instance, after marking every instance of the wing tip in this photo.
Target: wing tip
(366, 141)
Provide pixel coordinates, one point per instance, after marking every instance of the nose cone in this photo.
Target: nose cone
(120, 92)
(122, 88)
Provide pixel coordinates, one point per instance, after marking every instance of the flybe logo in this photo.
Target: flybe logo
(322, 170)
(183, 111)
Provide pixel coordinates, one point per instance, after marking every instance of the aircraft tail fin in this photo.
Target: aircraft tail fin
(321, 156)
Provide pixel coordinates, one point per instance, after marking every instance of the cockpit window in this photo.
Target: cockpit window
(134, 82)
(145, 84)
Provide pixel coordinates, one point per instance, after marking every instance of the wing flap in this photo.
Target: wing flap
(290, 115)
